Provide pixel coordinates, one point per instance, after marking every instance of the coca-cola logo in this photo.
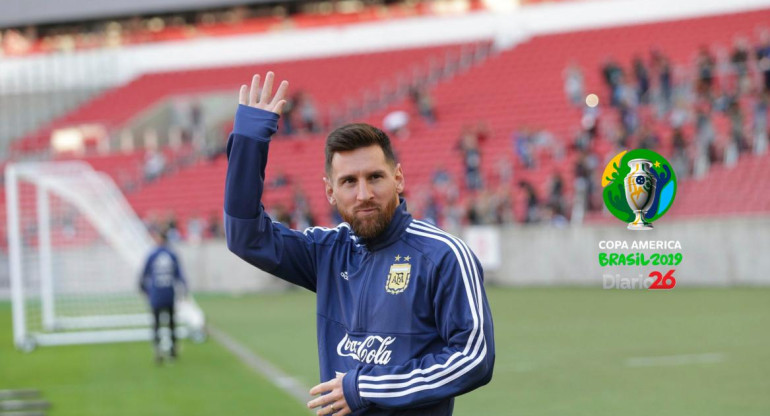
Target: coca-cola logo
(371, 350)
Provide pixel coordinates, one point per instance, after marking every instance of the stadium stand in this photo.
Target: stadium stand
(335, 81)
(520, 88)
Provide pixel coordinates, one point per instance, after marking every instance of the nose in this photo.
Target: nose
(364, 193)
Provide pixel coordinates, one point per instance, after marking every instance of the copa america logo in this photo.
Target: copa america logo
(639, 187)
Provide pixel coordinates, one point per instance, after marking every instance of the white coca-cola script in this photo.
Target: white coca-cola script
(371, 350)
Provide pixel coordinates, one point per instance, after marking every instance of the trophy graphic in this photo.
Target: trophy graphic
(640, 192)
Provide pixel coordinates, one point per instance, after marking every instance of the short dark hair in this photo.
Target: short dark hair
(355, 136)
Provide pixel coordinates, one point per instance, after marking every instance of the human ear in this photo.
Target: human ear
(399, 176)
(329, 191)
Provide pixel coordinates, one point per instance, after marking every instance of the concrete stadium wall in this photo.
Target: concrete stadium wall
(716, 252)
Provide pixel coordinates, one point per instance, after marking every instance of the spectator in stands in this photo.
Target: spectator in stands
(423, 102)
(504, 170)
(431, 208)
(444, 186)
(469, 146)
(287, 118)
(706, 65)
(735, 115)
(761, 101)
(154, 165)
(308, 112)
(194, 229)
(502, 205)
(533, 205)
(739, 60)
(440, 176)
(197, 122)
(171, 227)
(281, 214)
(280, 179)
(763, 58)
(554, 217)
(482, 132)
(522, 143)
(705, 136)
(215, 229)
(585, 167)
(642, 76)
(301, 216)
(613, 77)
(662, 68)
(680, 161)
(574, 87)
(648, 139)
(556, 193)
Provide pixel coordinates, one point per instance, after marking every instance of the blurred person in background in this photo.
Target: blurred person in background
(424, 103)
(763, 58)
(160, 280)
(574, 84)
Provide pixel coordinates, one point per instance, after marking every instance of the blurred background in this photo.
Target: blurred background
(114, 117)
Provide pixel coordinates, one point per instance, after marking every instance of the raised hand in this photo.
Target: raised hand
(275, 104)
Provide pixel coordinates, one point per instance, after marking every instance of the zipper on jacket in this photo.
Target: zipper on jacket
(365, 287)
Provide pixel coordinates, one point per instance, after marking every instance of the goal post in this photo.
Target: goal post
(76, 248)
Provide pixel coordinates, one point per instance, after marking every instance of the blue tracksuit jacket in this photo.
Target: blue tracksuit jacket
(403, 315)
(161, 272)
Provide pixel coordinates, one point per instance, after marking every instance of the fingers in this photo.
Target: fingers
(323, 401)
(267, 89)
(243, 95)
(338, 408)
(279, 107)
(280, 94)
(254, 98)
(323, 387)
(341, 408)
(254, 90)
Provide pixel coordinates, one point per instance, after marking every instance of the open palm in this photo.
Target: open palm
(248, 96)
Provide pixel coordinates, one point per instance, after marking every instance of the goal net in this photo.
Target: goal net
(76, 249)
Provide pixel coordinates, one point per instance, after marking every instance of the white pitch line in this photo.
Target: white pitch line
(683, 359)
(276, 376)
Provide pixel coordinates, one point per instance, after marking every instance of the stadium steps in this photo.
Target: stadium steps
(329, 81)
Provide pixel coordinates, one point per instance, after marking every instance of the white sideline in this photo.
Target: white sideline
(682, 359)
(260, 365)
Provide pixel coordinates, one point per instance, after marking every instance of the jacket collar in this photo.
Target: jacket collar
(401, 219)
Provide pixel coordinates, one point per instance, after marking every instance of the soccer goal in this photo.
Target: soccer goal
(76, 249)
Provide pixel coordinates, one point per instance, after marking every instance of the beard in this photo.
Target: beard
(373, 225)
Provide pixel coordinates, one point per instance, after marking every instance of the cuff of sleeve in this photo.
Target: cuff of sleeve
(255, 122)
(350, 390)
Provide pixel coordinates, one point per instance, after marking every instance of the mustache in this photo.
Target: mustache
(366, 206)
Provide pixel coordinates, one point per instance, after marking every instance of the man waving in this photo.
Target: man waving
(403, 321)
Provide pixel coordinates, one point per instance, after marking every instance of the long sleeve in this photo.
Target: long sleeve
(251, 233)
(143, 277)
(463, 320)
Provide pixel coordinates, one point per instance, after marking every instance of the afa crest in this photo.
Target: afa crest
(398, 278)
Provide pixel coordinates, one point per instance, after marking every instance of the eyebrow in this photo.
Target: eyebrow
(342, 179)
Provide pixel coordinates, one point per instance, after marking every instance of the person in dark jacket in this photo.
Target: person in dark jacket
(159, 281)
(403, 321)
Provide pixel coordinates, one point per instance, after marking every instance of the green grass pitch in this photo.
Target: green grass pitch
(560, 351)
